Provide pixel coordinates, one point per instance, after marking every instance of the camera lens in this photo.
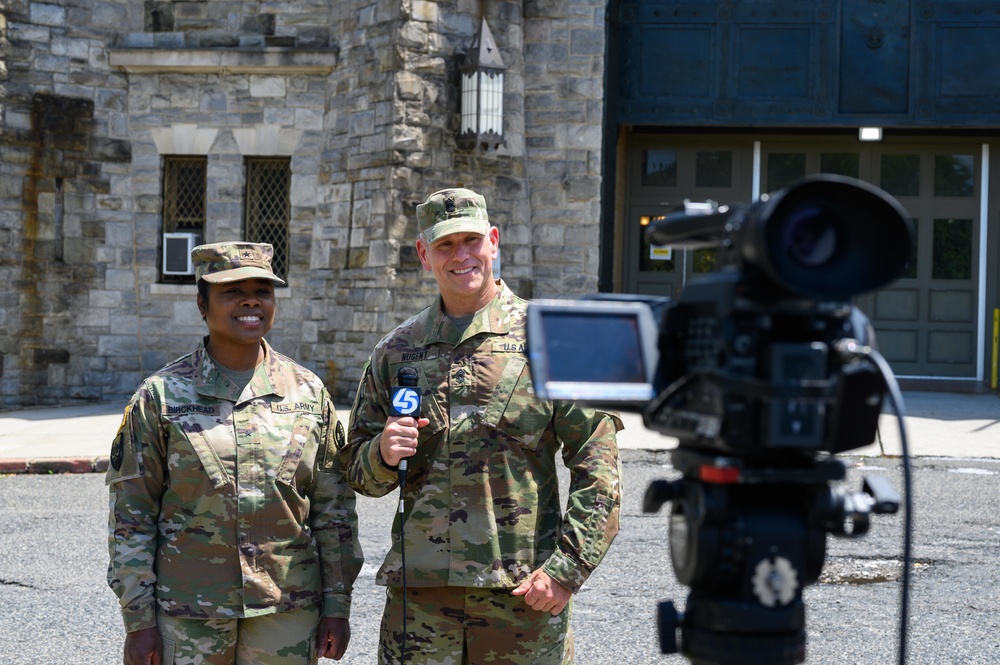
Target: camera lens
(826, 237)
(813, 234)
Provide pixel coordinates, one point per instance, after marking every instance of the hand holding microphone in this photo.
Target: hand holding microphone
(399, 438)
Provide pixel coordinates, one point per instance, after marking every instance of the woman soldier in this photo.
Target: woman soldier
(233, 536)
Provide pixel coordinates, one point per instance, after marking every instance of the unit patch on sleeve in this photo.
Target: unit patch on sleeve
(117, 450)
(118, 447)
(123, 462)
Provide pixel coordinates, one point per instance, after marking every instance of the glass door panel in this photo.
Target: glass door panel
(663, 173)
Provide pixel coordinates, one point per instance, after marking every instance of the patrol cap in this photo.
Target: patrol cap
(452, 211)
(232, 261)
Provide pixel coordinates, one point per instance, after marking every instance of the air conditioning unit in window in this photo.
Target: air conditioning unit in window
(177, 253)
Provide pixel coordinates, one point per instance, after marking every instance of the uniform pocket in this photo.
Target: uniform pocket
(193, 465)
(307, 428)
(603, 524)
(514, 409)
(432, 395)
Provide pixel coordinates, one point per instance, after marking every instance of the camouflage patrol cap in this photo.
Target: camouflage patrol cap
(452, 211)
(232, 261)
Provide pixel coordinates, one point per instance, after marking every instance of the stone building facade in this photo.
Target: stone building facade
(361, 95)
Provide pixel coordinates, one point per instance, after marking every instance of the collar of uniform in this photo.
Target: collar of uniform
(212, 381)
(494, 318)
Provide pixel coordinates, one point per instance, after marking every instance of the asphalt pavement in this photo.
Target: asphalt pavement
(59, 610)
(77, 439)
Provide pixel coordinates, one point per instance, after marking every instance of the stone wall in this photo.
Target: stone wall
(563, 123)
(362, 95)
(395, 126)
(65, 210)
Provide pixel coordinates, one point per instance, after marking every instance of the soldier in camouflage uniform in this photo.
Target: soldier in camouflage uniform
(233, 534)
(491, 561)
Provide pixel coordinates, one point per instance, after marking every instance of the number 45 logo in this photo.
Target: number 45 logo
(405, 401)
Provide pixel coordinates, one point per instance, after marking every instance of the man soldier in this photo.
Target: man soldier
(491, 563)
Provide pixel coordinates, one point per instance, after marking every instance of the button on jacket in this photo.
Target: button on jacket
(227, 505)
(482, 495)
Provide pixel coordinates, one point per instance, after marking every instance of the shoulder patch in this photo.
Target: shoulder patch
(118, 446)
(331, 451)
(128, 409)
(117, 452)
(123, 462)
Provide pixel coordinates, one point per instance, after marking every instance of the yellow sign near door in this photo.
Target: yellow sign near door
(660, 252)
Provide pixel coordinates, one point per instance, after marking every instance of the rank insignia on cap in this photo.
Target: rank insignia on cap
(222, 262)
(450, 211)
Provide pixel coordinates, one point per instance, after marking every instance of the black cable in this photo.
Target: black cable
(850, 347)
(896, 397)
(402, 553)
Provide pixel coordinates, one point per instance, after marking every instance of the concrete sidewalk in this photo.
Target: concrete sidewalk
(77, 439)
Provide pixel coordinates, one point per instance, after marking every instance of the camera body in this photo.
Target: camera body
(745, 373)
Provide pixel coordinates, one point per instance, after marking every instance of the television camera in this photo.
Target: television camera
(763, 370)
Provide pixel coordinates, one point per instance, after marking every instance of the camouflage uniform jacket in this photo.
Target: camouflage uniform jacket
(482, 495)
(226, 505)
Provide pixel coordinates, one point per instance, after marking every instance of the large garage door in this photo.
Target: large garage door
(927, 321)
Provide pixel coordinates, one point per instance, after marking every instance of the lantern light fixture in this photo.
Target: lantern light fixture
(482, 93)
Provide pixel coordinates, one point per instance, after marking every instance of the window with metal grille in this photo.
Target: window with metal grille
(268, 206)
(184, 184)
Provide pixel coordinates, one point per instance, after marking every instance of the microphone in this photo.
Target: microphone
(405, 402)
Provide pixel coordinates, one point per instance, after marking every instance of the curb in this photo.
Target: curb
(54, 465)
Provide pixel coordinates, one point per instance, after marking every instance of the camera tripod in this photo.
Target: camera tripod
(747, 536)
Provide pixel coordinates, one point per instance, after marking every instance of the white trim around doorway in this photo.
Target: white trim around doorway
(984, 195)
(755, 186)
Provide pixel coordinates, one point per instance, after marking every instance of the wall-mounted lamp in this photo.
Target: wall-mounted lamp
(482, 93)
(869, 133)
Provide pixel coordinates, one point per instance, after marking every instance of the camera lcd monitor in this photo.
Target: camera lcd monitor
(592, 351)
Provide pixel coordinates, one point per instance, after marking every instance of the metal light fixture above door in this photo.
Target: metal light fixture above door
(482, 93)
